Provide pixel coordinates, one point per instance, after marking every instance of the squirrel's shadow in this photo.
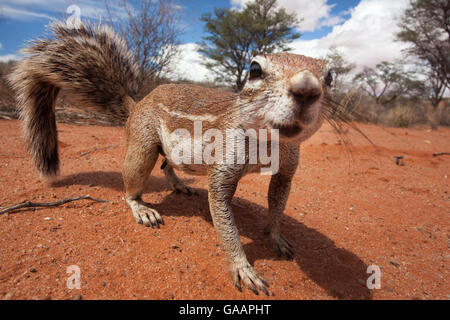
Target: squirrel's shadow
(340, 272)
(111, 180)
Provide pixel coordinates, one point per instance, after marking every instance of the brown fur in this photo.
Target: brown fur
(289, 97)
(90, 63)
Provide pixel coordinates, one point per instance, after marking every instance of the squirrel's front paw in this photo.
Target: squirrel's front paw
(143, 214)
(281, 246)
(250, 278)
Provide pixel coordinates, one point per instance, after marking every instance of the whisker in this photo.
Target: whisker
(337, 129)
(344, 115)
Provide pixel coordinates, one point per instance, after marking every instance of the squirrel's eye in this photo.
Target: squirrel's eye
(255, 71)
(329, 79)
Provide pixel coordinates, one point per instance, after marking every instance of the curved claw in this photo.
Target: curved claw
(282, 247)
(145, 215)
(250, 278)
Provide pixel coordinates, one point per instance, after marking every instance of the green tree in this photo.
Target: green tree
(387, 82)
(425, 25)
(234, 37)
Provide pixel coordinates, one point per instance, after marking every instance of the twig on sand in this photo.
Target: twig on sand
(98, 149)
(441, 154)
(29, 204)
(399, 160)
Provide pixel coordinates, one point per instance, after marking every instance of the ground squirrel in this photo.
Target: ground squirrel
(283, 91)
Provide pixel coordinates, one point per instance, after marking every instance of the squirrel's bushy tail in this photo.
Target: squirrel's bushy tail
(90, 63)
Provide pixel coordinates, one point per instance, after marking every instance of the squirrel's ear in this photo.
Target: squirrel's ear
(329, 78)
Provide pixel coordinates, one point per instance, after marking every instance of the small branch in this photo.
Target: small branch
(98, 149)
(441, 154)
(399, 160)
(29, 204)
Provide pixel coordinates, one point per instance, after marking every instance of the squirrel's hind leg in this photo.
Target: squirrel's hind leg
(175, 182)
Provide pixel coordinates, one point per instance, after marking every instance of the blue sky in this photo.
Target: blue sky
(363, 30)
(21, 20)
(195, 8)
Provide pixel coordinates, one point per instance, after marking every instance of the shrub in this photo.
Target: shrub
(439, 116)
(403, 116)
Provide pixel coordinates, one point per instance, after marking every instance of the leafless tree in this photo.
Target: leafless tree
(387, 82)
(340, 68)
(425, 26)
(151, 31)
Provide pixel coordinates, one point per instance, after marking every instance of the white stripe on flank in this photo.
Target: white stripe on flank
(192, 117)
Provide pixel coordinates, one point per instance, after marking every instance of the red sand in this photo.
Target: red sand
(348, 209)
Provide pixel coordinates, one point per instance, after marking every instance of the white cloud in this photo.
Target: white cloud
(366, 38)
(315, 13)
(9, 57)
(21, 14)
(188, 65)
(25, 10)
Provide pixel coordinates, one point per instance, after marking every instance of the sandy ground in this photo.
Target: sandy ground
(349, 208)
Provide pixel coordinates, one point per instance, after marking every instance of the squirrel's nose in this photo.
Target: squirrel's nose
(305, 84)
